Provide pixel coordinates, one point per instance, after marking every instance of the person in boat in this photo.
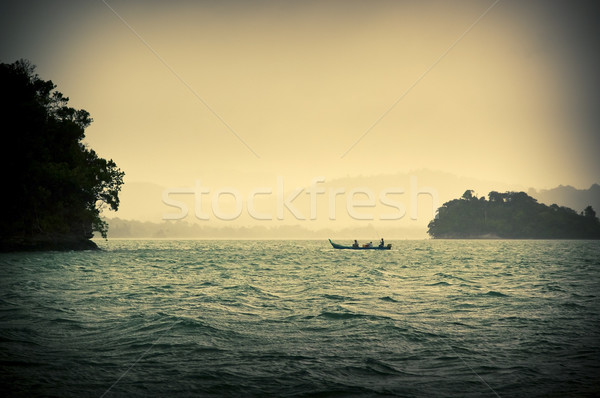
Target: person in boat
(355, 244)
(381, 244)
(370, 244)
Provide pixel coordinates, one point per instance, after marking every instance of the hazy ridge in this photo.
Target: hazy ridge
(142, 209)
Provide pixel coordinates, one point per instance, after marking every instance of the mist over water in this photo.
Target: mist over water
(284, 318)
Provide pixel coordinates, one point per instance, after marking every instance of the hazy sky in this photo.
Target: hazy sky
(242, 89)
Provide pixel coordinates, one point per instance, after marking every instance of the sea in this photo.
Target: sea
(189, 318)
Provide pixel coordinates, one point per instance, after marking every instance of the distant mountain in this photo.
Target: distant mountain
(131, 229)
(418, 195)
(577, 199)
(142, 201)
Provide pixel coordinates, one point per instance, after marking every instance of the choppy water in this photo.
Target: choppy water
(281, 318)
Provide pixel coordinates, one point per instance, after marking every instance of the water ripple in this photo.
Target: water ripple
(250, 318)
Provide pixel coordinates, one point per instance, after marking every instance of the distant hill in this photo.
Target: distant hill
(141, 204)
(511, 215)
(142, 201)
(566, 195)
(131, 229)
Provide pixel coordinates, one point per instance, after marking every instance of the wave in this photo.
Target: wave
(336, 297)
(389, 299)
(439, 284)
(493, 293)
(449, 276)
(345, 315)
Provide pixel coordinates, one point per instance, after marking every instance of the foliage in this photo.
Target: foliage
(511, 215)
(55, 185)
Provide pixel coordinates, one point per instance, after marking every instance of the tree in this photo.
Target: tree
(496, 197)
(57, 184)
(589, 212)
(511, 215)
(468, 195)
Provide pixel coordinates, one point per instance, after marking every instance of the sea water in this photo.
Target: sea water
(291, 319)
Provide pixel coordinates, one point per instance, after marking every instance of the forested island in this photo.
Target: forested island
(54, 185)
(511, 215)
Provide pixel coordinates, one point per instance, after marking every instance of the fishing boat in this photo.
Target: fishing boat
(359, 247)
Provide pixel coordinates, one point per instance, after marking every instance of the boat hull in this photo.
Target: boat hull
(338, 246)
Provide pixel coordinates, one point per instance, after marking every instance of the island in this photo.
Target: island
(511, 215)
(54, 185)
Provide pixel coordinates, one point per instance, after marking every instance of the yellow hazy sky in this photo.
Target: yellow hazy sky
(184, 90)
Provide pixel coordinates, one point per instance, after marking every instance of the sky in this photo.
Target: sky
(242, 91)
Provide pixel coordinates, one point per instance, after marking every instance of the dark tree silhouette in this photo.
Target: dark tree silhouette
(589, 212)
(468, 195)
(511, 215)
(54, 185)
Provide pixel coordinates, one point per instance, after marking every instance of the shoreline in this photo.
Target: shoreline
(47, 244)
